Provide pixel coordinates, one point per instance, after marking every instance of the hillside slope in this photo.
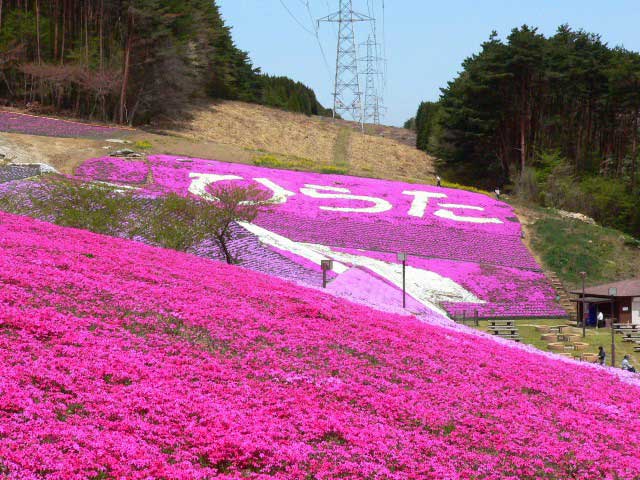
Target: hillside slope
(569, 246)
(126, 361)
(297, 137)
(466, 252)
(231, 132)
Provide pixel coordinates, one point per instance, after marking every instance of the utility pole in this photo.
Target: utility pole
(347, 97)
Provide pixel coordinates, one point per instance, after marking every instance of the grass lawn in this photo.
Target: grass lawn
(568, 247)
(594, 338)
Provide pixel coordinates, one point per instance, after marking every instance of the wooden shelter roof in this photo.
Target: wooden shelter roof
(626, 288)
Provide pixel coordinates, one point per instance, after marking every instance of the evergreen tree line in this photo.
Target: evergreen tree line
(556, 118)
(129, 60)
(286, 94)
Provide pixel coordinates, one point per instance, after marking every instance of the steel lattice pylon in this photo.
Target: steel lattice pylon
(372, 105)
(347, 97)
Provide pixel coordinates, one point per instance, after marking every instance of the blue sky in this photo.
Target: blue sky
(426, 41)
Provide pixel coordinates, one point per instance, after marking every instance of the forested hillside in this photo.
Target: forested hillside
(130, 60)
(286, 94)
(556, 117)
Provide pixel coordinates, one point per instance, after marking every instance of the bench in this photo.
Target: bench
(512, 336)
(505, 333)
(509, 333)
(631, 337)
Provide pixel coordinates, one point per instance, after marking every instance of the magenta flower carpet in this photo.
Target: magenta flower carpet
(35, 125)
(466, 255)
(121, 360)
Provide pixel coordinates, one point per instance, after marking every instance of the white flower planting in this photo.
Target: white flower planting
(278, 241)
(315, 191)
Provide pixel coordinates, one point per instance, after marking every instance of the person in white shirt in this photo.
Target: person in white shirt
(600, 319)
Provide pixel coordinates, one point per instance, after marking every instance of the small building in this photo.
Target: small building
(624, 306)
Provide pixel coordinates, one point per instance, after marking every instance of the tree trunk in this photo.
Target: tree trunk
(55, 29)
(523, 126)
(634, 150)
(0, 14)
(38, 32)
(101, 39)
(523, 143)
(225, 250)
(64, 33)
(126, 67)
(86, 36)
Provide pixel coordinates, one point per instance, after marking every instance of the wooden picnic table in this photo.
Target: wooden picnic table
(501, 322)
(627, 326)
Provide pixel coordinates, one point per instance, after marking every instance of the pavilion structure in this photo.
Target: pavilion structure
(619, 301)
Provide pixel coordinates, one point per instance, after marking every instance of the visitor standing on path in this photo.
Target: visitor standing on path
(602, 356)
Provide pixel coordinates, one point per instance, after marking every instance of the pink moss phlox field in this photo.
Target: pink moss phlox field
(488, 259)
(506, 291)
(116, 170)
(120, 360)
(302, 219)
(34, 125)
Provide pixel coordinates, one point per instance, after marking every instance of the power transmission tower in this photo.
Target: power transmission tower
(378, 108)
(371, 98)
(347, 97)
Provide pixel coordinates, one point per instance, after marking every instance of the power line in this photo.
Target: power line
(317, 35)
(384, 46)
(295, 19)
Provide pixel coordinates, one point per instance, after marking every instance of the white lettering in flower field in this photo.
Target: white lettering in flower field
(421, 201)
(200, 182)
(278, 241)
(445, 212)
(280, 194)
(315, 191)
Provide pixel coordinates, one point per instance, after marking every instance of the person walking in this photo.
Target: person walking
(602, 356)
(438, 181)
